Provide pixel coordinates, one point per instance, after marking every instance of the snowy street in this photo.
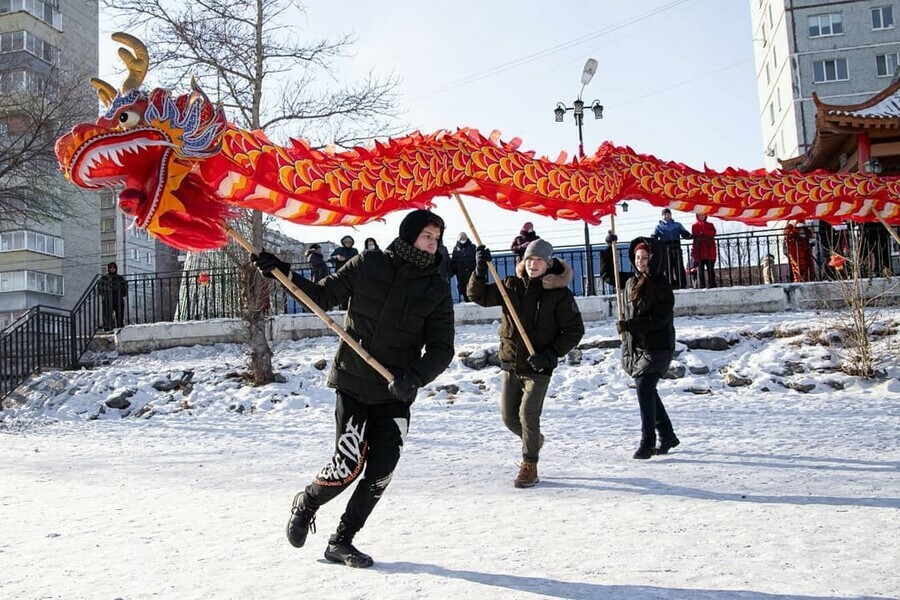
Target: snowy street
(773, 493)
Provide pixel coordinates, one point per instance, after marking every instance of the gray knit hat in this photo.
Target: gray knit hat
(540, 249)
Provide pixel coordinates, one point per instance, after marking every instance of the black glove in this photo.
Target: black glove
(622, 326)
(267, 262)
(545, 359)
(611, 237)
(482, 258)
(405, 387)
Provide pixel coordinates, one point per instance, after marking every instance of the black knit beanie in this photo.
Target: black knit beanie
(415, 222)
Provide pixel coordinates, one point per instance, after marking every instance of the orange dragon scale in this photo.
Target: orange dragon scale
(183, 170)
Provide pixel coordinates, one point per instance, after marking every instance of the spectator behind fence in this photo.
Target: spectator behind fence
(343, 253)
(704, 251)
(113, 289)
(462, 263)
(525, 237)
(370, 244)
(768, 269)
(798, 238)
(670, 233)
(317, 265)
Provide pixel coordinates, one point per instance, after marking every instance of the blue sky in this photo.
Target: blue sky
(676, 78)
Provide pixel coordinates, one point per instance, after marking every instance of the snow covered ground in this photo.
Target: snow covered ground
(773, 493)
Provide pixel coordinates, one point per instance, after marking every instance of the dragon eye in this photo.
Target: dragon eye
(128, 119)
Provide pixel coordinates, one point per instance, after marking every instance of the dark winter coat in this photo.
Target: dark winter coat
(521, 242)
(444, 265)
(649, 343)
(113, 287)
(462, 262)
(395, 310)
(318, 267)
(704, 234)
(347, 253)
(545, 306)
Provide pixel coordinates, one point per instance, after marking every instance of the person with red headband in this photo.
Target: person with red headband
(648, 340)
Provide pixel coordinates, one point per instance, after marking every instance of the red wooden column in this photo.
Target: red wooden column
(863, 151)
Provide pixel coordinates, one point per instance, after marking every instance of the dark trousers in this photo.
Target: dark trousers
(707, 273)
(674, 265)
(113, 311)
(653, 414)
(521, 404)
(368, 441)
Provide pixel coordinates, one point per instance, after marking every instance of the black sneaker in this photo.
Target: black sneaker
(643, 452)
(340, 550)
(667, 444)
(302, 521)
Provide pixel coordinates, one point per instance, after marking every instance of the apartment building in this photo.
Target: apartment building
(45, 261)
(844, 51)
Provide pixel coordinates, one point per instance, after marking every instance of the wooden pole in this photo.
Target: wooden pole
(615, 261)
(311, 305)
(888, 227)
(499, 282)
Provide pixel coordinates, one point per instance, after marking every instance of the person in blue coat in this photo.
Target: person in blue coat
(670, 232)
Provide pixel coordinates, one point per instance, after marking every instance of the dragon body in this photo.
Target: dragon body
(183, 170)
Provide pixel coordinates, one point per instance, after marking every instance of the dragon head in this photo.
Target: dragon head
(148, 144)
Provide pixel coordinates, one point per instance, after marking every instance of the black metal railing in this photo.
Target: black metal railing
(47, 337)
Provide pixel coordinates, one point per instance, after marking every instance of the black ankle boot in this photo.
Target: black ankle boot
(302, 521)
(341, 550)
(644, 451)
(667, 444)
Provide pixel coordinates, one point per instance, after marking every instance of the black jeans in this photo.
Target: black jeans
(674, 265)
(653, 414)
(707, 272)
(367, 437)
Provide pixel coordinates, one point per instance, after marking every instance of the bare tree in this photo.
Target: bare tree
(268, 77)
(35, 110)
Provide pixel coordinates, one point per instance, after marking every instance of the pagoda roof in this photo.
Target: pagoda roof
(837, 126)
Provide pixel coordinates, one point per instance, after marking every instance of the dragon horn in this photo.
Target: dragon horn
(137, 63)
(104, 90)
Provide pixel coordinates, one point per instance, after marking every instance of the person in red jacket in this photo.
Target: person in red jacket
(704, 234)
(797, 244)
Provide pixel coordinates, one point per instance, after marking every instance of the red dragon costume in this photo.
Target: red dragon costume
(184, 169)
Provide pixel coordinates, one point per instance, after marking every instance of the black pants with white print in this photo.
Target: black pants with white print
(368, 440)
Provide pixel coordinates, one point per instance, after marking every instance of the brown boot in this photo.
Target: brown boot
(527, 476)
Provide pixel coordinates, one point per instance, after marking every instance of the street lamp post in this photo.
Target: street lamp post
(577, 108)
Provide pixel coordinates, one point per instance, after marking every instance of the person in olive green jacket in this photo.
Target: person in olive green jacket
(399, 306)
(547, 310)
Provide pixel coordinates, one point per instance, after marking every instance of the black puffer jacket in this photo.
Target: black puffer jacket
(396, 309)
(546, 308)
(649, 343)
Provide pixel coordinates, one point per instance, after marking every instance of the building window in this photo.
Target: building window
(771, 22)
(11, 241)
(135, 255)
(886, 64)
(45, 11)
(31, 281)
(778, 98)
(771, 113)
(149, 258)
(883, 17)
(21, 80)
(107, 201)
(15, 41)
(830, 70)
(107, 224)
(824, 25)
(107, 248)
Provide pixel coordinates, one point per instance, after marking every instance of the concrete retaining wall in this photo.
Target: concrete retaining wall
(136, 339)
